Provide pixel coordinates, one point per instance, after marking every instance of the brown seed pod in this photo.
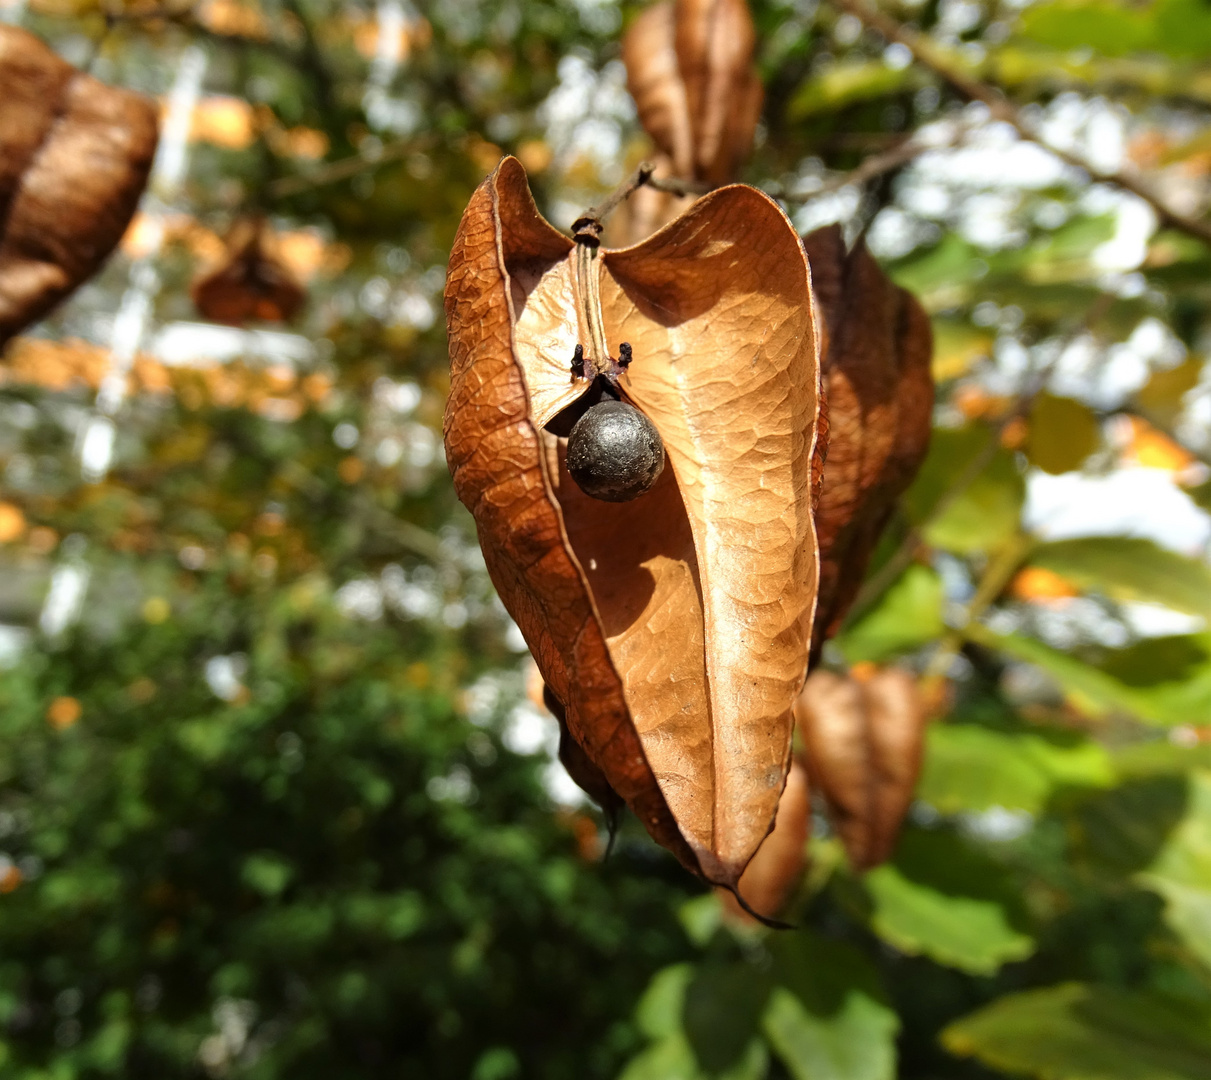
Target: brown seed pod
(879, 389)
(250, 283)
(690, 70)
(74, 158)
(674, 628)
(864, 740)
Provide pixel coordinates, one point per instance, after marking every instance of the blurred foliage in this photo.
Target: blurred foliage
(272, 803)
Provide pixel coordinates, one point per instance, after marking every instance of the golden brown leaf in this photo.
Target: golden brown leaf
(880, 392)
(690, 70)
(74, 158)
(864, 740)
(674, 628)
(250, 282)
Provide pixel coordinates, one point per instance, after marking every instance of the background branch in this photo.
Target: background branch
(929, 55)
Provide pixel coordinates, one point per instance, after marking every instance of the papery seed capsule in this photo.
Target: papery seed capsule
(615, 452)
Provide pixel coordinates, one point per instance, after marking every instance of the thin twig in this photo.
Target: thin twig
(670, 185)
(875, 165)
(335, 171)
(928, 54)
(591, 222)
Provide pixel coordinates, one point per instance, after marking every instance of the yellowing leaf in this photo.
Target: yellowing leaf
(1063, 433)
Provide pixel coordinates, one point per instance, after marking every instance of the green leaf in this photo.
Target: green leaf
(1063, 433)
(846, 83)
(959, 512)
(1121, 831)
(669, 1059)
(1108, 28)
(827, 1019)
(942, 276)
(658, 1013)
(908, 615)
(1128, 568)
(673, 1058)
(1201, 495)
(267, 873)
(940, 899)
(1183, 28)
(701, 917)
(1065, 255)
(1181, 872)
(973, 768)
(1081, 1032)
(721, 1014)
(1098, 691)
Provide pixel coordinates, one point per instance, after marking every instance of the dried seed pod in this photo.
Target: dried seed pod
(690, 70)
(674, 628)
(615, 452)
(250, 282)
(74, 158)
(864, 740)
(876, 361)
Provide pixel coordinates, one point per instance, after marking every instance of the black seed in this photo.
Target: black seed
(614, 452)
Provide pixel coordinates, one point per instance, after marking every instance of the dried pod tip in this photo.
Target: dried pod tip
(615, 452)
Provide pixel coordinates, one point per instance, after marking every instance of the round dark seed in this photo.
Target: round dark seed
(615, 452)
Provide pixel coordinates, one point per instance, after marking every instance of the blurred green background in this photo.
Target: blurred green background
(273, 802)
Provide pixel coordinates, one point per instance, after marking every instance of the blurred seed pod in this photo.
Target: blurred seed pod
(74, 158)
(770, 878)
(864, 740)
(250, 282)
(690, 70)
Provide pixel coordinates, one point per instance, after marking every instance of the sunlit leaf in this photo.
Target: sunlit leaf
(972, 768)
(1081, 1032)
(1097, 691)
(956, 346)
(844, 84)
(908, 614)
(1109, 28)
(827, 1019)
(1130, 568)
(961, 512)
(659, 1011)
(1162, 396)
(938, 898)
(1063, 433)
(1182, 871)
